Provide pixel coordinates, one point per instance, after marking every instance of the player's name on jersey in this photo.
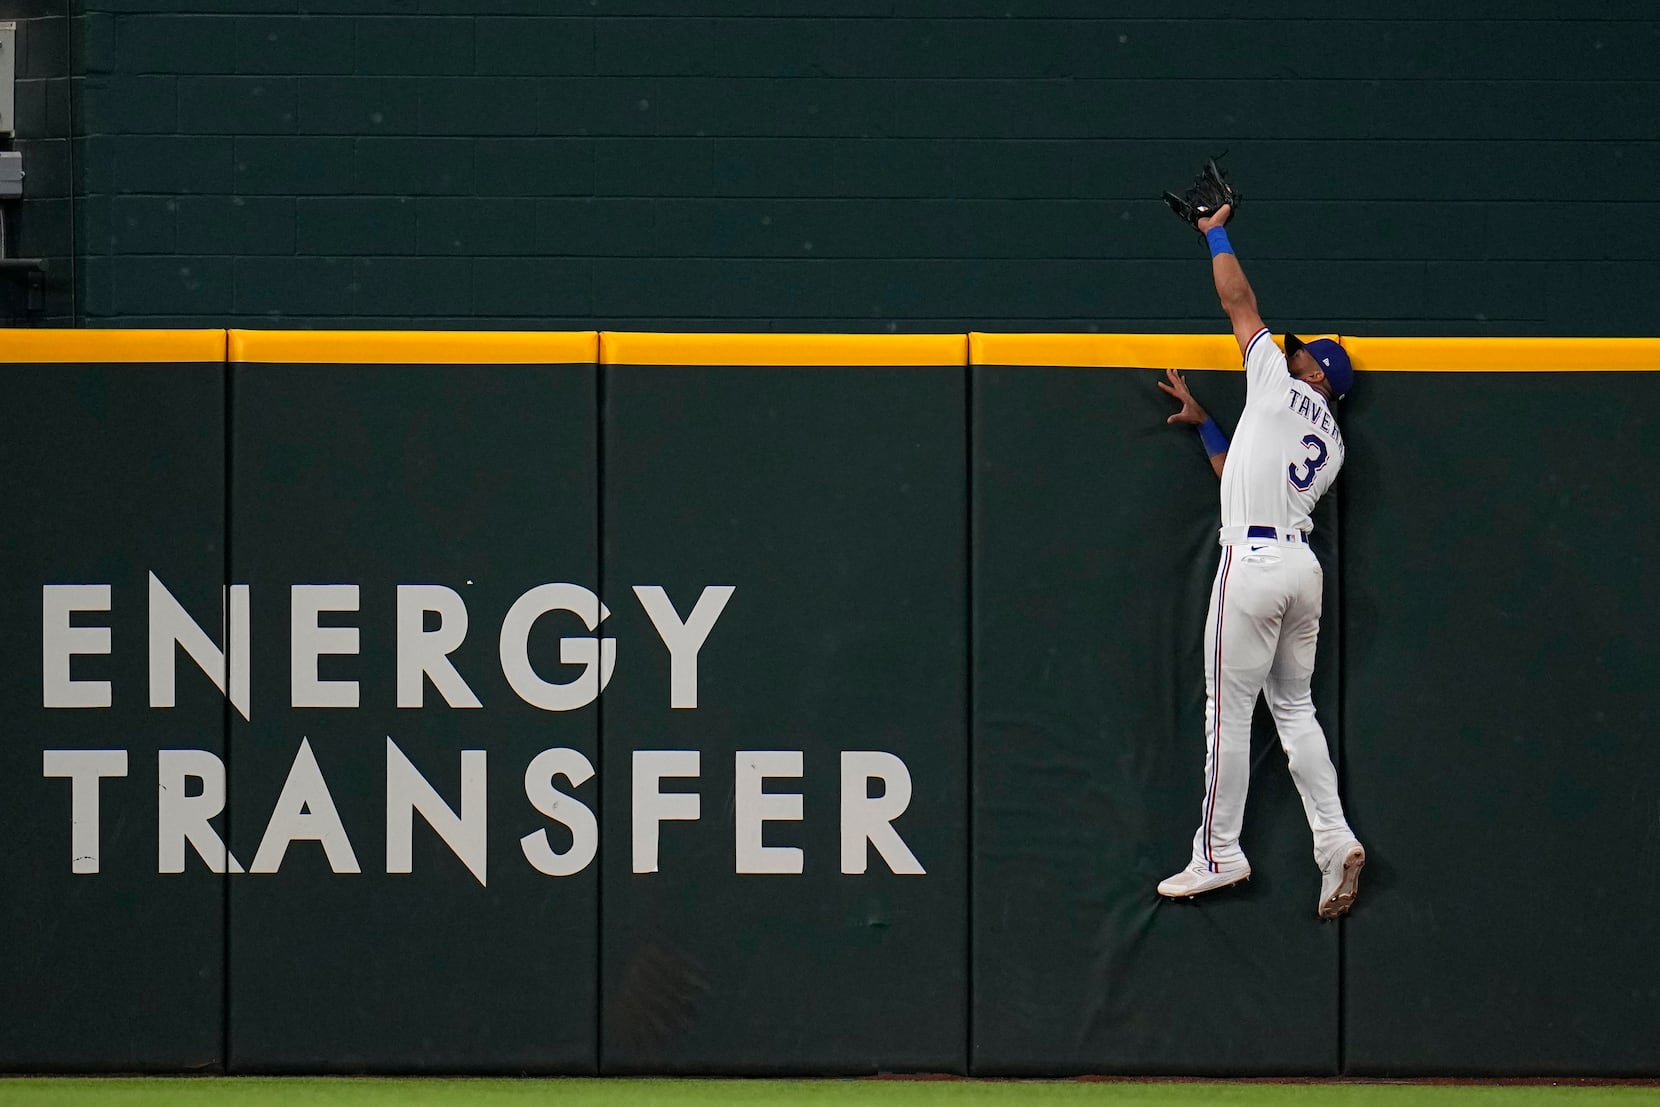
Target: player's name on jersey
(190, 791)
(1314, 411)
(70, 628)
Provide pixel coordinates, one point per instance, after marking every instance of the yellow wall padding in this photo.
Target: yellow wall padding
(415, 347)
(1504, 355)
(1135, 351)
(1128, 351)
(38, 347)
(623, 348)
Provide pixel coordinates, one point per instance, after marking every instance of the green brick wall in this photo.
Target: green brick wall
(858, 164)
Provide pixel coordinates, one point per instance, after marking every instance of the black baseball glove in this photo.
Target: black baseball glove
(1209, 191)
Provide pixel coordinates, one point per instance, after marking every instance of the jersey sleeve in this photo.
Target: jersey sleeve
(1265, 368)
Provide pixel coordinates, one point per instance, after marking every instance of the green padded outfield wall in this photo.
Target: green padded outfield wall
(113, 450)
(426, 494)
(822, 480)
(972, 567)
(843, 165)
(1094, 552)
(1499, 708)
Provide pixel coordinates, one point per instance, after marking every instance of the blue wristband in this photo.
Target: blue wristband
(1211, 435)
(1218, 239)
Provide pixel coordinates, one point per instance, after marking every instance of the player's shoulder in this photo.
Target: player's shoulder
(1261, 346)
(1265, 368)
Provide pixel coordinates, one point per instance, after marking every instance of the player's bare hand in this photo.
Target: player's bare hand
(1176, 388)
(1217, 220)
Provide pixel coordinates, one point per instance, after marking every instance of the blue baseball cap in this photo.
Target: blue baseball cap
(1332, 359)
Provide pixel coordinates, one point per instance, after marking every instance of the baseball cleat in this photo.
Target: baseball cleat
(1340, 879)
(1197, 879)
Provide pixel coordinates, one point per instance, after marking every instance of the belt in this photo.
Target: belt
(1259, 533)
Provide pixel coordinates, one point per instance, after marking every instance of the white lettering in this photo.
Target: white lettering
(755, 806)
(308, 641)
(652, 806)
(870, 819)
(407, 792)
(683, 640)
(305, 813)
(169, 624)
(59, 642)
(562, 808)
(424, 653)
(182, 818)
(587, 652)
(84, 768)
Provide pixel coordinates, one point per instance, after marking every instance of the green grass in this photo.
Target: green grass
(616, 1092)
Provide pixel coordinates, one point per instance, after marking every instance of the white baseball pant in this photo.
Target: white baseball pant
(1260, 637)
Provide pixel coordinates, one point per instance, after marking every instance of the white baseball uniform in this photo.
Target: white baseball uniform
(1264, 616)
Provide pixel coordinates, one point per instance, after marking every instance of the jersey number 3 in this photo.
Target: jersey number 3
(1312, 464)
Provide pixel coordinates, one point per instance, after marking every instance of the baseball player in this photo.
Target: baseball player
(1264, 615)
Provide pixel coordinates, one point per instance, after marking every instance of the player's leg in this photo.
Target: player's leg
(1240, 632)
(1292, 703)
(1291, 700)
(1240, 640)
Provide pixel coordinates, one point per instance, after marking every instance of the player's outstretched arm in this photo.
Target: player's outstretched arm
(1231, 286)
(1191, 414)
